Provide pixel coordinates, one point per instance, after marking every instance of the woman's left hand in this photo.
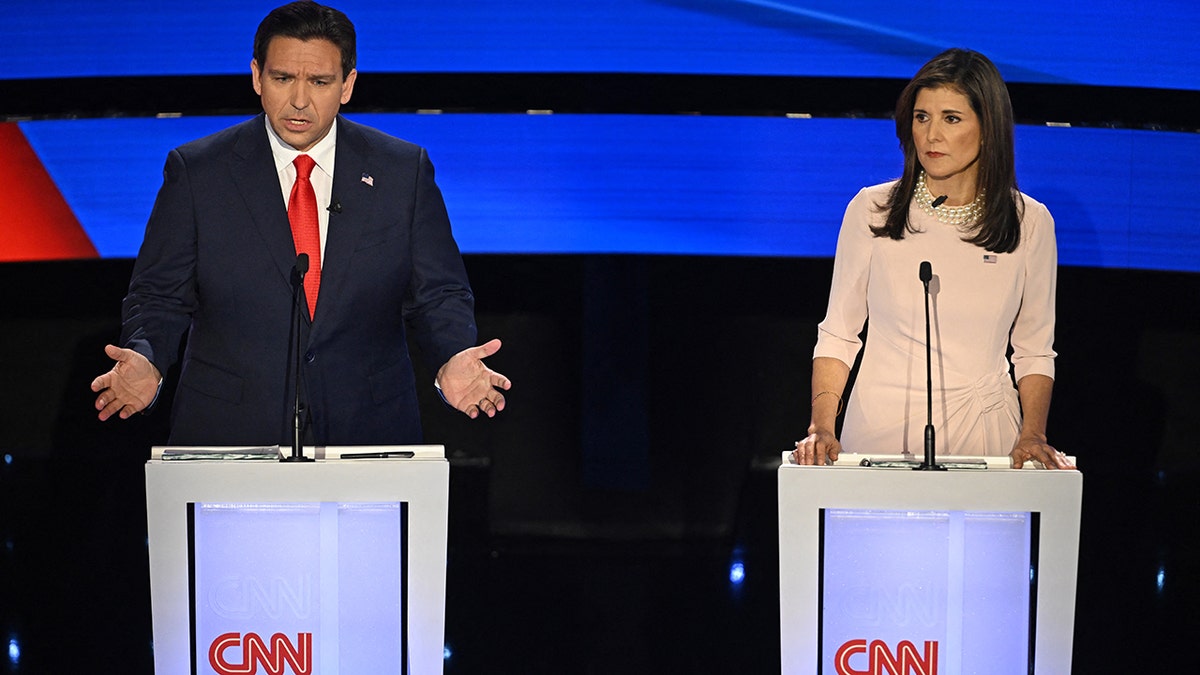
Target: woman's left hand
(1036, 448)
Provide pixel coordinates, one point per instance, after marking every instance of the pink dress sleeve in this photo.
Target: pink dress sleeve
(838, 336)
(1033, 330)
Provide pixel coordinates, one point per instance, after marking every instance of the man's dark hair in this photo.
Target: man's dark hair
(306, 20)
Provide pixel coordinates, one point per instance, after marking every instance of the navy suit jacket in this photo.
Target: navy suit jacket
(216, 264)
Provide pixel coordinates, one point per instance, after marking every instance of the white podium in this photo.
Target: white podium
(325, 567)
(890, 570)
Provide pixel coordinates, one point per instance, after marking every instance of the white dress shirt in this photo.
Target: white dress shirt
(322, 175)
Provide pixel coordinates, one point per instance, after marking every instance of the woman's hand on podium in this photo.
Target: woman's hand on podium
(129, 388)
(469, 385)
(819, 448)
(1034, 447)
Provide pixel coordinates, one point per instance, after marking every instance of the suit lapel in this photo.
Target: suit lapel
(253, 169)
(356, 198)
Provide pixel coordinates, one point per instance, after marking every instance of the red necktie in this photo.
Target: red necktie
(306, 229)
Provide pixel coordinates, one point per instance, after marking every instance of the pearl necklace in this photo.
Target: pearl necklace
(968, 214)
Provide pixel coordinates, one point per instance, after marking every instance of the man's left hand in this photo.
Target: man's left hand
(470, 386)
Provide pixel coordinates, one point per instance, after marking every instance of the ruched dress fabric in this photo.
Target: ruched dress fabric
(980, 303)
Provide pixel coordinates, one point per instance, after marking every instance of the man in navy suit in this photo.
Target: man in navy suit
(218, 259)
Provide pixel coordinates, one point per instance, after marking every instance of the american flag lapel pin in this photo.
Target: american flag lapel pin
(989, 258)
(368, 179)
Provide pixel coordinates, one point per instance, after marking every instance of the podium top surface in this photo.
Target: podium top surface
(951, 462)
(273, 453)
(219, 476)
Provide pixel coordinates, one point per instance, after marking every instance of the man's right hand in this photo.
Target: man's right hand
(129, 388)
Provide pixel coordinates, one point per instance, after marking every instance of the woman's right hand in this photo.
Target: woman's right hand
(819, 448)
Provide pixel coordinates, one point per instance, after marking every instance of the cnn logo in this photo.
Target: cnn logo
(255, 651)
(905, 661)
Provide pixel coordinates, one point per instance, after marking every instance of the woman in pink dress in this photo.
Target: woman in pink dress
(994, 260)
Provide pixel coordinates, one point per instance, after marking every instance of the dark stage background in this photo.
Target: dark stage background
(593, 525)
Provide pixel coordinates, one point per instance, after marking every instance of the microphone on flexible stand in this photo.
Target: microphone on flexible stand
(929, 464)
(298, 273)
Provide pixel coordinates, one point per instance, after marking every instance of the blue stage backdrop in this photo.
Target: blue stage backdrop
(1103, 42)
(707, 185)
(643, 184)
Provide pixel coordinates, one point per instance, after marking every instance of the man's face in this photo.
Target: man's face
(302, 88)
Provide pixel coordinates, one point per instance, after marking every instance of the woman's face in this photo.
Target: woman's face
(946, 132)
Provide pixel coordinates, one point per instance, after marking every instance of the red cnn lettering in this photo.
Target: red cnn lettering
(841, 660)
(881, 661)
(274, 659)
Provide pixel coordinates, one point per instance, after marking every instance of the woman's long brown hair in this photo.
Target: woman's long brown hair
(973, 75)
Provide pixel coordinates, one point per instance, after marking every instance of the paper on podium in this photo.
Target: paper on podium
(275, 452)
(356, 452)
(224, 453)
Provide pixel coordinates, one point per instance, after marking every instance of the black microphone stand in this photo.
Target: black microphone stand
(297, 423)
(929, 464)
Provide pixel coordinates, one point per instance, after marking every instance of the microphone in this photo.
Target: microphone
(334, 207)
(926, 274)
(298, 273)
(936, 203)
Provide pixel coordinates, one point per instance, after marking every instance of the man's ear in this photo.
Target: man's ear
(348, 85)
(256, 76)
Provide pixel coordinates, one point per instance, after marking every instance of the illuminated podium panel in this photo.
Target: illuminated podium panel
(332, 566)
(890, 570)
